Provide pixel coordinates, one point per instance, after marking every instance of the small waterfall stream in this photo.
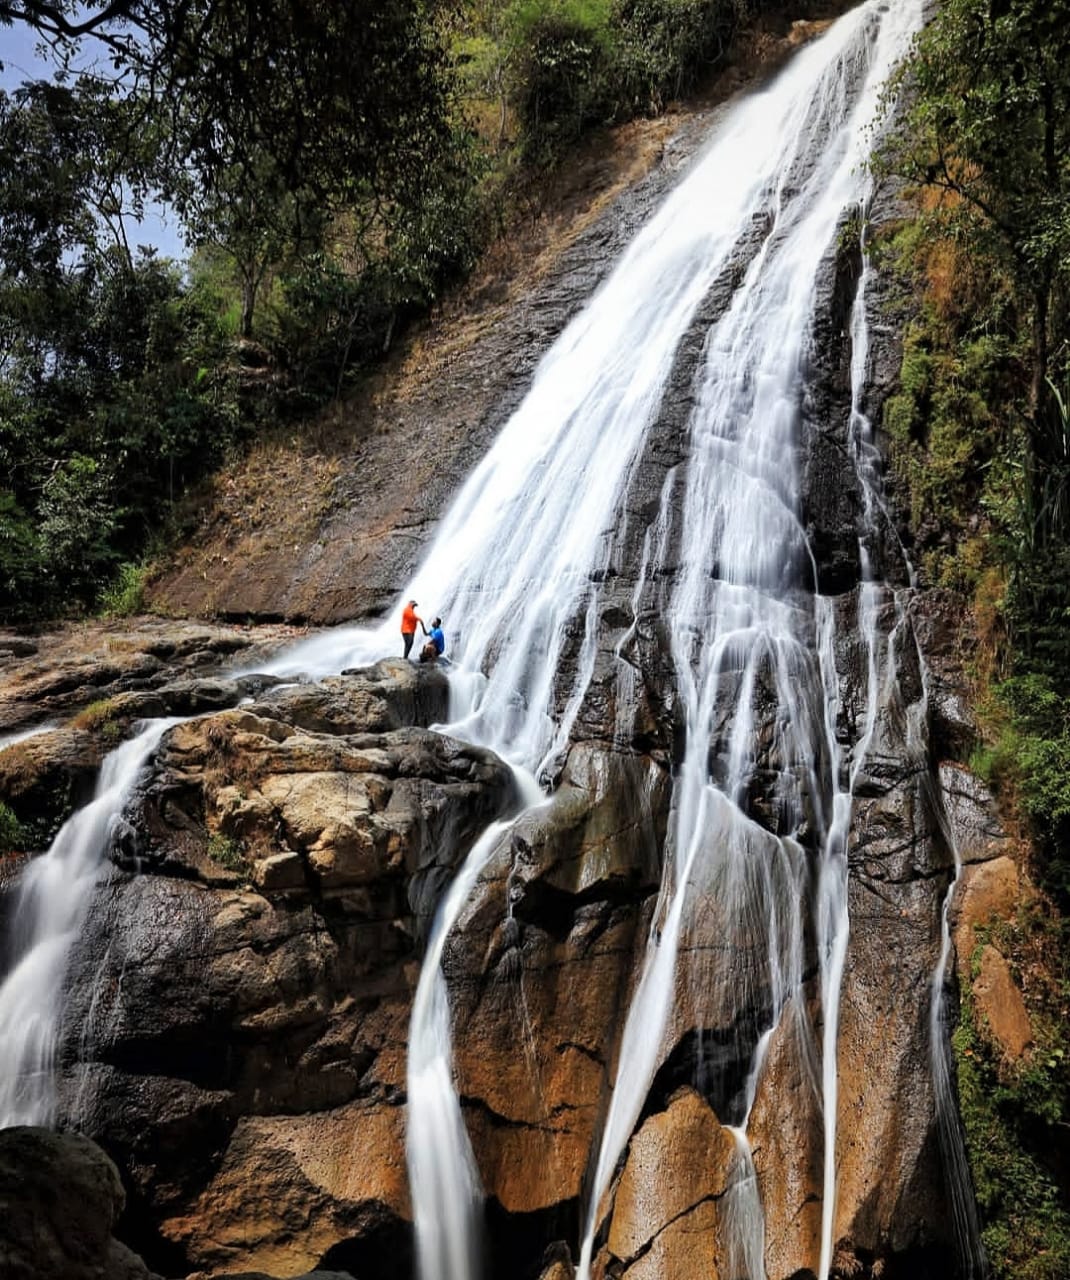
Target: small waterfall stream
(517, 568)
(53, 895)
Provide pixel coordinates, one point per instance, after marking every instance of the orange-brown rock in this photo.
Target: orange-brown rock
(999, 1005)
(987, 891)
(677, 1167)
(291, 1187)
(786, 1135)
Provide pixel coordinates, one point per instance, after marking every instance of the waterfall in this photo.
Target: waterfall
(53, 896)
(748, 623)
(518, 562)
(518, 568)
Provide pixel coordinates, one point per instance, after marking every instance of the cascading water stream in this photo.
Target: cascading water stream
(442, 1172)
(516, 569)
(53, 895)
(745, 623)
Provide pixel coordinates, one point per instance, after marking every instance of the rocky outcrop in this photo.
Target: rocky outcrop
(665, 1208)
(241, 995)
(60, 1198)
(52, 676)
(70, 696)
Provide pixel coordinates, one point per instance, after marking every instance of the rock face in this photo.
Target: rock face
(60, 1198)
(241, 995)
(239, 1005)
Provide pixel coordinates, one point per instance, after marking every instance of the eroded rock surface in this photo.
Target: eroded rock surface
(60, 1199)
(241, 994)
(69, 696)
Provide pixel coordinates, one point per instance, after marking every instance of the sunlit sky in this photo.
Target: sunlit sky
(21, 61)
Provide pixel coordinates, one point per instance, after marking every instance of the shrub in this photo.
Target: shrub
(12, 837)
(227, 853)
(126, 594)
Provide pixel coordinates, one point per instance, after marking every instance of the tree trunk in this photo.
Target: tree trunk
(248, 304)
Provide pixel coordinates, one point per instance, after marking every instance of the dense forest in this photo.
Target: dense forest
(334, 170)
(979, 434)
(337, 168)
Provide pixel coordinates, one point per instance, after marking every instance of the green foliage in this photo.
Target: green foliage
(104, 412)
(1012, 1114)
(12, 838)
(327, 175)
(562, 65)
(227, 853)
(666, 46)
(988, 130)
(1029, 757)
(126, 594)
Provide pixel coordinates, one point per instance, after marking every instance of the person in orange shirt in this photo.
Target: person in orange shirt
(409, 619)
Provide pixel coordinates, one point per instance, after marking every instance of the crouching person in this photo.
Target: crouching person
(436, 643)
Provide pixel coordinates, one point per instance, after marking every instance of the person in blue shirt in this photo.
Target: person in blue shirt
(436, 643)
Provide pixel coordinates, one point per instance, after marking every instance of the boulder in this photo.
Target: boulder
(987, 892)
(60, 1198)
(999, 1005)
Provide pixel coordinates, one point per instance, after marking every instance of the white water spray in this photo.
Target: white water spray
(745, 625)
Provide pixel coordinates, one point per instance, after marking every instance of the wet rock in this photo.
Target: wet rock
(200, 697)
(262, 1275)
(786, 1134)
(60, 1198)
(971, 811)
(686, 1249)
(1000, 1007)
(678, 1162)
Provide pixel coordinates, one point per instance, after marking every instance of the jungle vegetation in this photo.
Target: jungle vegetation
(980, 441)
(336, 168)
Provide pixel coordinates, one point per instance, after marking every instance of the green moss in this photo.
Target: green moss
(1011, 1121)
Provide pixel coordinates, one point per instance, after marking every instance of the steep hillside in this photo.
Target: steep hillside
(324, 524)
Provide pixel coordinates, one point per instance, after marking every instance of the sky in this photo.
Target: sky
(160, 227)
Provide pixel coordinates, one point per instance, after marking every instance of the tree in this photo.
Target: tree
(989, 124)
(332, 91)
